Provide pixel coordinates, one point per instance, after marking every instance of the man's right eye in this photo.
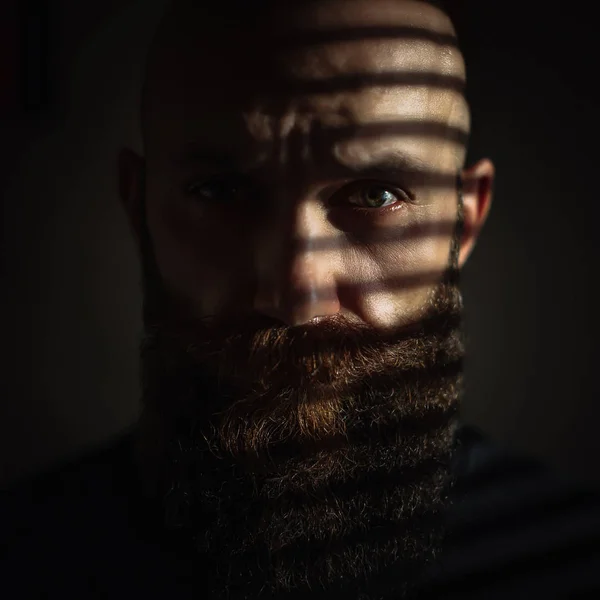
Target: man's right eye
(223, 189)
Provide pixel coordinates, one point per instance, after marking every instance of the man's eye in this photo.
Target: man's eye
(376, 196)
(217, 189)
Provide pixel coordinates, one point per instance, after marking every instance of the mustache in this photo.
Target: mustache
(326, 343)
(268, 390)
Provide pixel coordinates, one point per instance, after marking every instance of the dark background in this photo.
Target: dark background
(70, 280)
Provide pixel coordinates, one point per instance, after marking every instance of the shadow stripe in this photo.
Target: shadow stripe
(297, 39)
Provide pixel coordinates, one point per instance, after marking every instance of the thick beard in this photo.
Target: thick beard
(303, 461)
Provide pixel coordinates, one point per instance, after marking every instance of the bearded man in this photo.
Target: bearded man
(303, 211)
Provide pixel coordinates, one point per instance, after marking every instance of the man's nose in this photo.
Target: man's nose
(297, 265)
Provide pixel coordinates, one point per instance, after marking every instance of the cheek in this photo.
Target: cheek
(396, 279)
(200, 256)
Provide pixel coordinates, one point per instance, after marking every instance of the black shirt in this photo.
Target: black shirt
(516, 530)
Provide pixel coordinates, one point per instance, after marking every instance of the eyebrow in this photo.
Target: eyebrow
(193, 154)
(393, 159)
(397, 163)
(389, 162)
(394, 162)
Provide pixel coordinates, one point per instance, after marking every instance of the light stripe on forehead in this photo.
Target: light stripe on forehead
(429, 59)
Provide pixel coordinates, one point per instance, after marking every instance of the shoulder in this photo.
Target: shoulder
(517, 529)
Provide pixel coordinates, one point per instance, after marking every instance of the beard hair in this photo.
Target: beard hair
(312, 460)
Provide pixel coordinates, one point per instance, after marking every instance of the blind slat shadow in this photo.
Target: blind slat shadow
(196, 151)
(356, 81)
(297, 40)
(389, 235)
(382, 129)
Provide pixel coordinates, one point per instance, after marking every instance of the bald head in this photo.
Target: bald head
(261, 51)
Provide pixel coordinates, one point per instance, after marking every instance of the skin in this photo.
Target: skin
(292, 244)
(298, 188)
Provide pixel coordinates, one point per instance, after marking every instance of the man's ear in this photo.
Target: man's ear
(131, 189)
(477, 182)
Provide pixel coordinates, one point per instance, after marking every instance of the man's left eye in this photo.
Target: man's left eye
(376, 196)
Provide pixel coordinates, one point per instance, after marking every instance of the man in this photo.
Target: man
(302, 211)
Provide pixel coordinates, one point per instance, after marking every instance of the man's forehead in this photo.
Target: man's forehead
(331, 21)
(373, 62)
(313, 14)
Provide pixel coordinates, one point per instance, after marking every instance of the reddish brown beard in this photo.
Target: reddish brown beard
(308, 458)
(270, 384)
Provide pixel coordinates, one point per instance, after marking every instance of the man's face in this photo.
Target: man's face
(298, 233)
(302, 179)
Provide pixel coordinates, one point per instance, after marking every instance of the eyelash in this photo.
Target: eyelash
(365, 212)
